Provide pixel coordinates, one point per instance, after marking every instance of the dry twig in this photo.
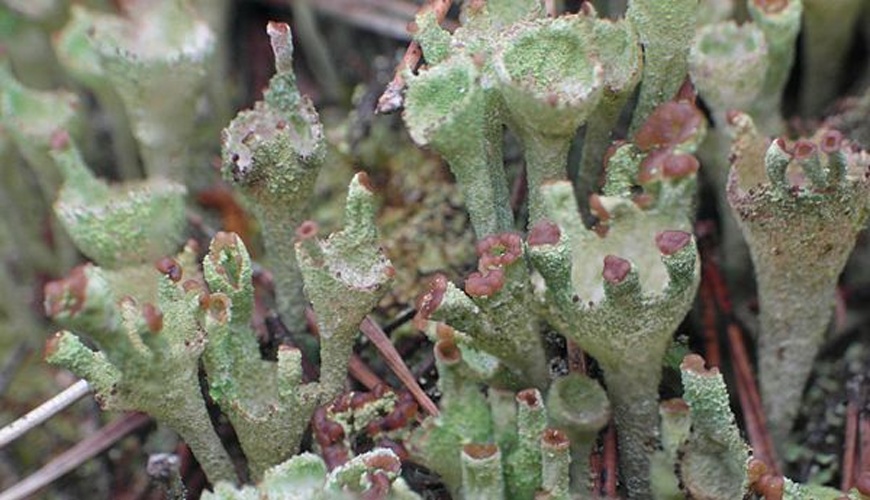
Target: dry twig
(83, 451)
(392, 358)
(44, 412)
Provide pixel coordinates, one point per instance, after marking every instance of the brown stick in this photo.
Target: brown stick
(392, 99)
(750, 401)
(850, 447)
(864, 431)
(394, 360)
(611, 471)
(576, 358)
(83, 451)
(710, 331)
(361, 372)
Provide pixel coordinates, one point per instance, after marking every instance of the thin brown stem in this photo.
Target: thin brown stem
(83, 451)
(710, 330)
(864, 431)
(360, 371)
(610, 470)
(394, 360)
(576, 358)
(519, 191)
(750, 401)
(850, 447)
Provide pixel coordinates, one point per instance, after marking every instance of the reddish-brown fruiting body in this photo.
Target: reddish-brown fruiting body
(674, 406)
(379, 486)
(52, 345)
(771, 6)
(677, 166)
(783, 146)
(480, 451)
(664, 163)
(803, 149)
(153, 317)
(615, 269)
(335, 455)
(428, 302)
(170, 268)
(731, 116)
(597, 208)
(499, 250)
(771, 487)
(484, 284)
(671, 124)
(529, 398)
(643, 200)
(447, 351)
(325, 431)
(67, 294)
(59, 140)
(830, 141)
(397, 448)
(204, 301)
(544, 233)
(554, 438)
(651, 166)
(219, 307)
(366, 181)
(696, 364)
(384, 462)
(755, 470)
(307, 230)
(687, 92)
(671, 242)
(444, 331)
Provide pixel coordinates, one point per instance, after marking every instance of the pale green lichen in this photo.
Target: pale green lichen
(272, 154)
(624, 318)
(788, 220)
(149, 354)
(305, 477)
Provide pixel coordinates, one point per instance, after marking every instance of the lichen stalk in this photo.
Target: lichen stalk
(273, 154)
(156, 57)
(728, 65)
(555, 465)
(446, 108)
(493, 314)
(523, 463)
(780, 22)
(260, 398)
(714, 462)
(578, 406)
(633, 396)
(349, 264)
(827, 34)
(619, 51)
(551, 80)
(77, 54)
(787, 225)
(149, 357)
(465, 418)
(625, 325)
(665, 28)
(482, 476)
